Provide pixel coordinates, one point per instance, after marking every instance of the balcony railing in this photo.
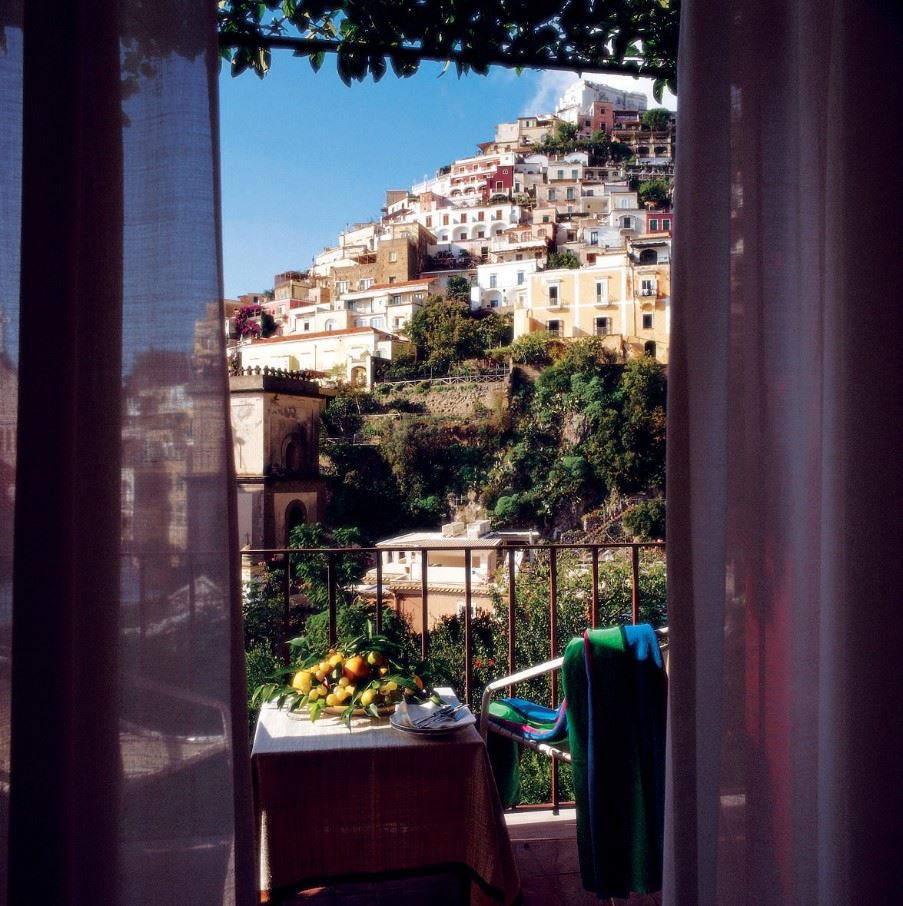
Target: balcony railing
(508, 555)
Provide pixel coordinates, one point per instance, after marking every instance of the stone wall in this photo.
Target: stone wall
(447, 400)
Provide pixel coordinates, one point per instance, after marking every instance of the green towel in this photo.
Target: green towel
(504, 753)
(504, 757)
(616, 691)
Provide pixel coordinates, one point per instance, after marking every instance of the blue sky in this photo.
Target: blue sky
(303, 155)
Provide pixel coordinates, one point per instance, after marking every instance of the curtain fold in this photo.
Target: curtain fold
(784, 444)
(128, 778)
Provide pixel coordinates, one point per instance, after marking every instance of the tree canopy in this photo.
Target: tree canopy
(655, 193)
(445, 331)
(566, 258)
(638, 37)
(657, 118)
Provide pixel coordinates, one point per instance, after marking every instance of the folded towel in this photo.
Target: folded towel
(530, 721)
(616, 687)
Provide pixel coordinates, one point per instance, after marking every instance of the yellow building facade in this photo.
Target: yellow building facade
(625, 298)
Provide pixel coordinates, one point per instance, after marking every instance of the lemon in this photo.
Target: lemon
(367, 697)
(331, 700)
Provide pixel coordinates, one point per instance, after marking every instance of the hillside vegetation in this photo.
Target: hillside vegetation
(565, 437)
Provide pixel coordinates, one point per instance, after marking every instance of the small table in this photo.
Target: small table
(337, 804)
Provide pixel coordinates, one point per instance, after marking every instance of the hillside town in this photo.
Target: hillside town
(560, 224)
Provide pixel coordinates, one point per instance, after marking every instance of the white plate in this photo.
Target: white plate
(464, 717)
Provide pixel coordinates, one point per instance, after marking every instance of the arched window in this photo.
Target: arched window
(330, 324)
(649, 348)
(295, 515)
(294, 452)
(649, 256)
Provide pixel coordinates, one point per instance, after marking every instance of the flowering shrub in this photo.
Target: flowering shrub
(252, 321)
(246, 324)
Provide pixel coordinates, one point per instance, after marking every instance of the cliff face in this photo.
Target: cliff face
(461, 401)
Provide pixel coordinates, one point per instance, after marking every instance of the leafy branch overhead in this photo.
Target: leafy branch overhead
(636, 37)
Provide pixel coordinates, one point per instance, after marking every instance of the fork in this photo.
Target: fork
(439, 716)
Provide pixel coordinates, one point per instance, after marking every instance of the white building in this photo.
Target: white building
(502, 285)
(403, 568)
(579, 98)
(346, 353)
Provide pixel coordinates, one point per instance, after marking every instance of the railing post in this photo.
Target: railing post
(635, 584)
(553, 653)
(511, 617)
(286, 607)
(424, 605)
(468, 630)
(379, 592)
(331, 589)
(594, 603)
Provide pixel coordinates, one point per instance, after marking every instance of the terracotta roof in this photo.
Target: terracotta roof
(480, 590)
(344, 331)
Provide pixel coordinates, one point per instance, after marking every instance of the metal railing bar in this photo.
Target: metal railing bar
(635, 584)
(594, 599)
(379, 593)
(331, 602)
(424, 607)
(286, 608)
(512, 613)
(468, 631)
(606, 545)
(553, 653)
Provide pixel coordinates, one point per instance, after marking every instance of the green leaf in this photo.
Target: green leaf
(377, 67)
(372, 710)
(316, 60)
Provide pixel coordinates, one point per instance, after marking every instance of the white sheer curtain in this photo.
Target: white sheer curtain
(124, 773)
(784, 457)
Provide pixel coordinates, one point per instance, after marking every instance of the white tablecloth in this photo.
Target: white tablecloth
(334, 803)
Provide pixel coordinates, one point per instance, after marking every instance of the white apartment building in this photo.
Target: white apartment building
(579, 97)
(390, 306)
(347, 353)
(502, 285)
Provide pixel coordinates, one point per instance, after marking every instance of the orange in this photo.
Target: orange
(356, 668)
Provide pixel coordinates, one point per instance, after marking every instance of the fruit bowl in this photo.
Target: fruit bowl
(366, 677)
(384, 711)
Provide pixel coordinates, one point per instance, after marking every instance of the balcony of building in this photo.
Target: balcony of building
(508, 244)
(542, 835)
